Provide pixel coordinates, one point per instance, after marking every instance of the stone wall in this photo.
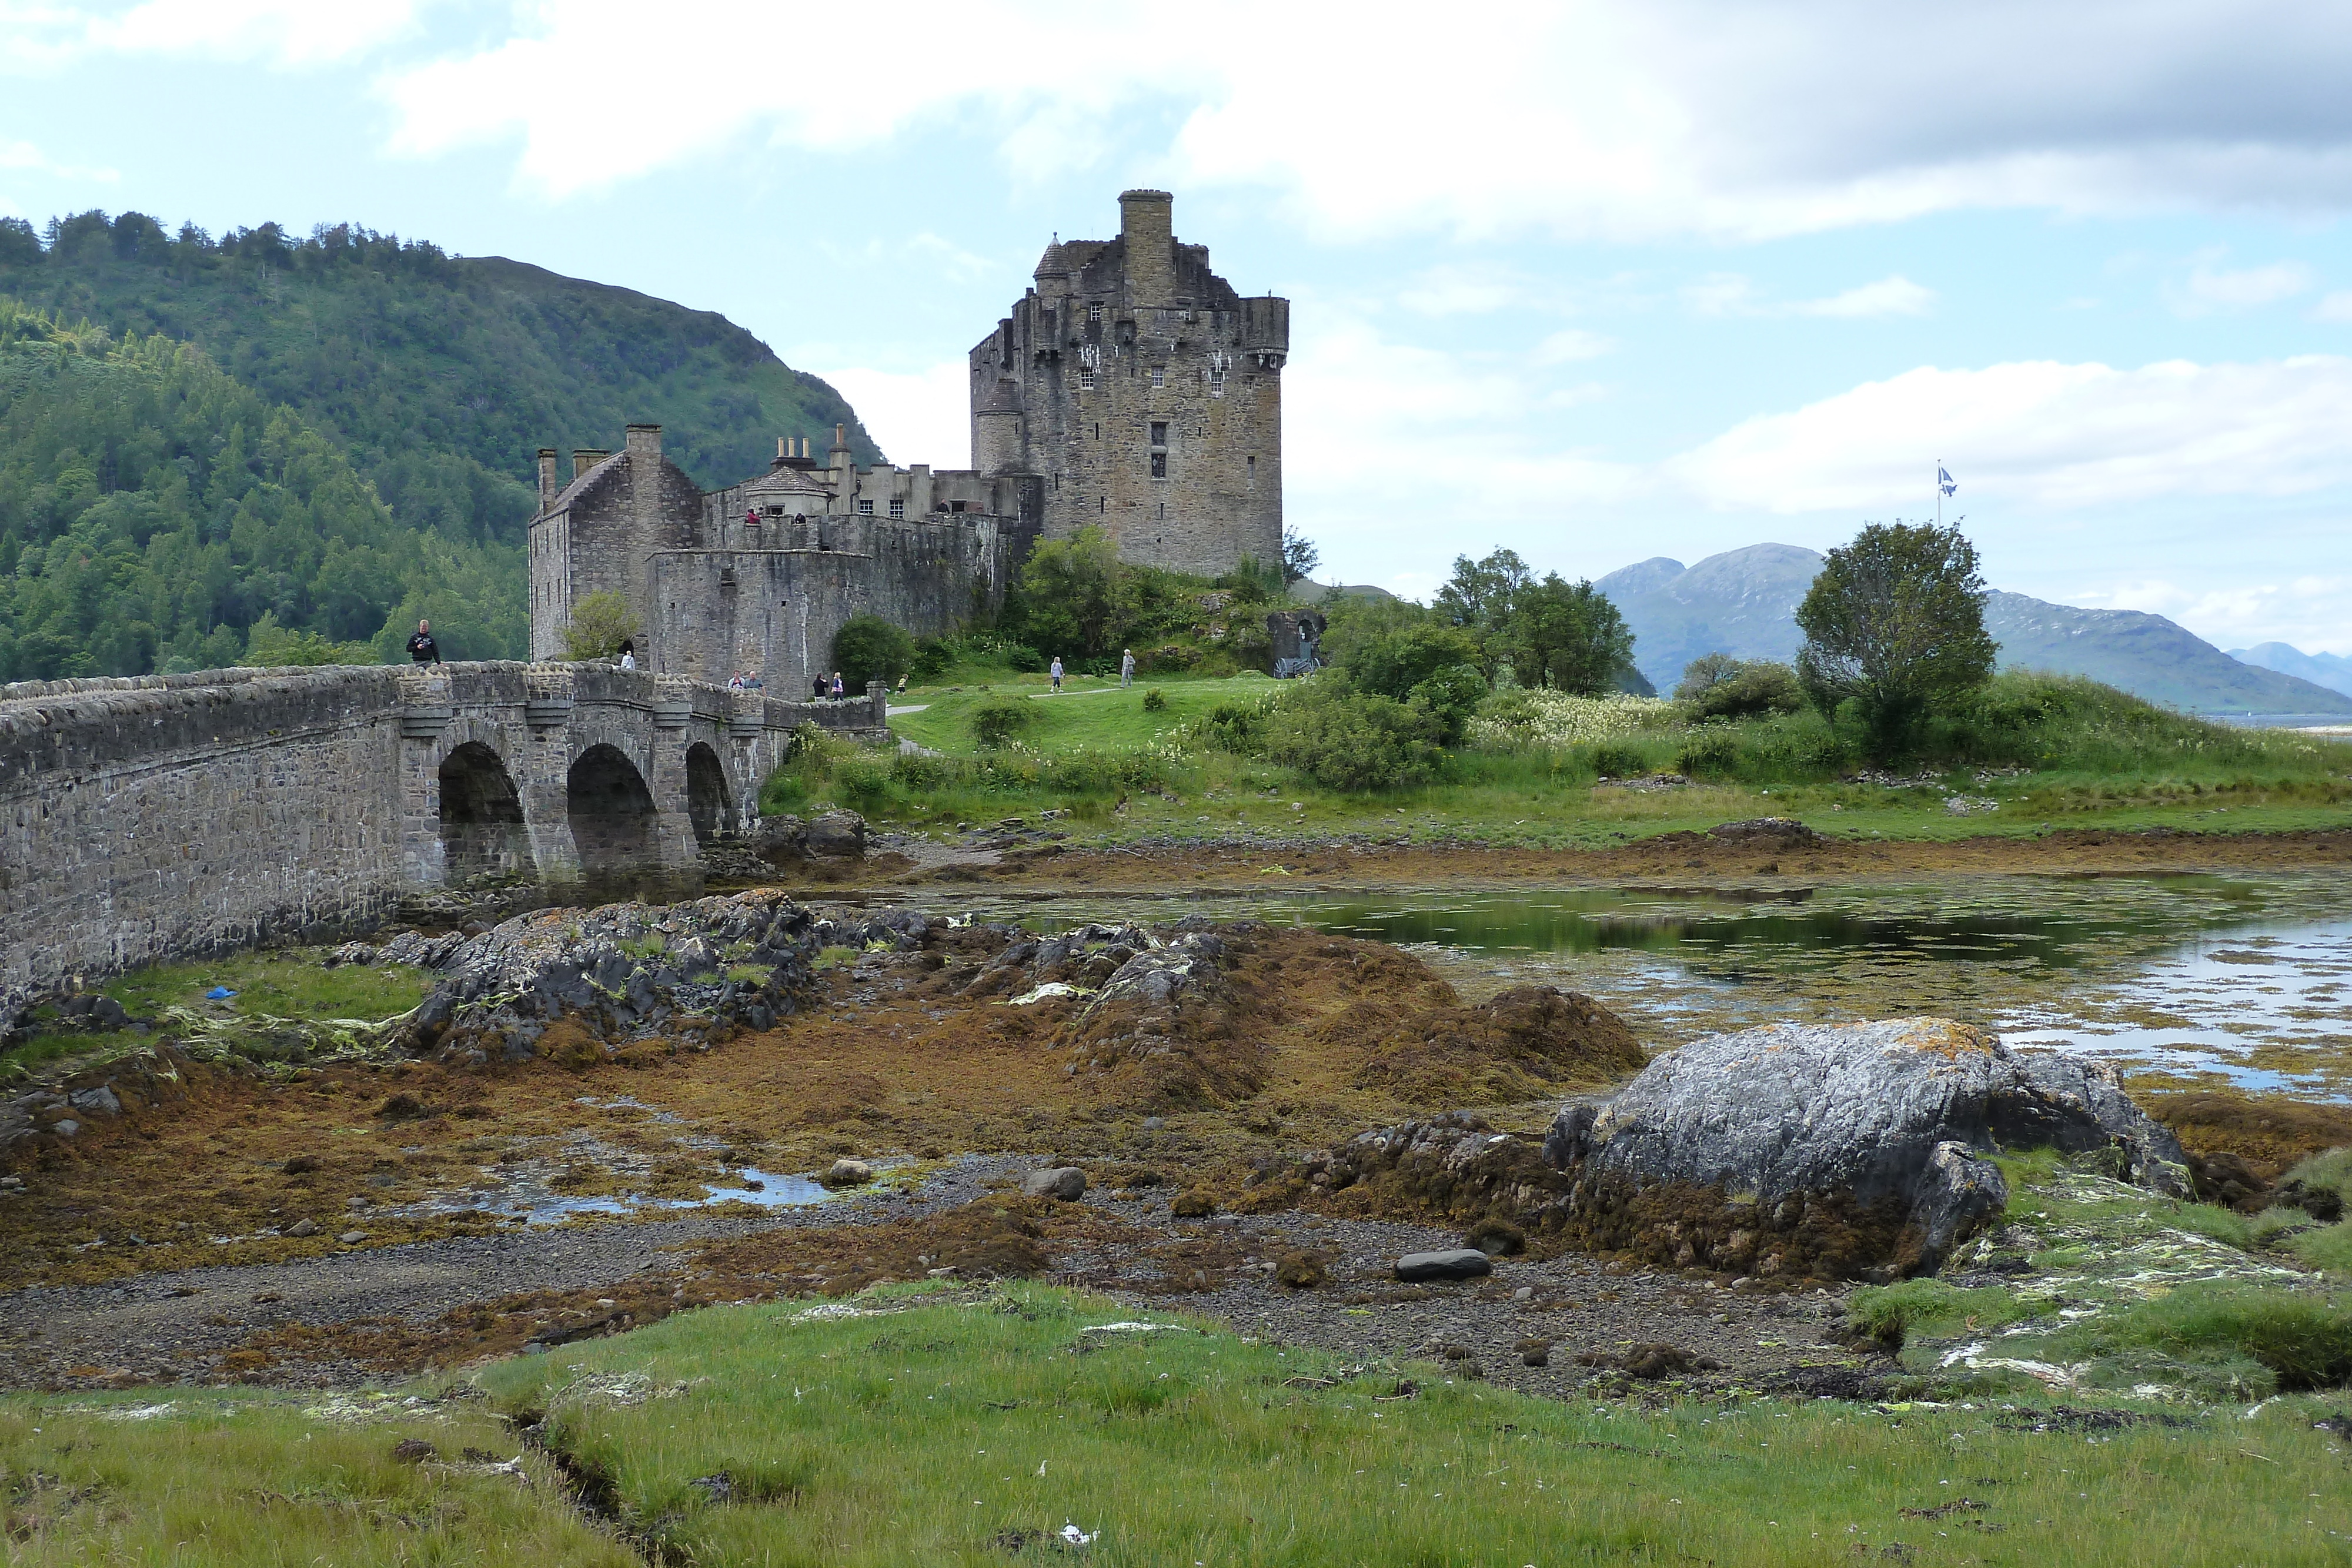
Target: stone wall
(162, 816)
(1145, 395)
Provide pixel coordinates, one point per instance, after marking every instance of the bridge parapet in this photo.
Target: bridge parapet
(151, 816)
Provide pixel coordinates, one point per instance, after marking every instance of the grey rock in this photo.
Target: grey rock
(835, 835)
(303, 1228)
(352, 1238)
(1765, 832)
(1903, 1108)
(1063, 1182)
(1454, 1263)
(66, 1128)
(99, 1101)
(848, 1173)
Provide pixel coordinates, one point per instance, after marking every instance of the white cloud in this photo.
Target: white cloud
(1581, 118)
(1729, 294)
(2208, 289)
(25, 155)
(292, 34)
(923, 416)
(2335, 307)
(2043, 434)
(1466, 290)
(1571, 344)
(2307, 611)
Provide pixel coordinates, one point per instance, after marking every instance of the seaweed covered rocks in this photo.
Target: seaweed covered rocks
(1834, 1150)
(582, 985)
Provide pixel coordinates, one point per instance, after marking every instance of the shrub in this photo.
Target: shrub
(2304, 1339)
(934, 657)
(997, 721)
(270, 646)
(1155, 701)
(600, 623)
(1758, 687)
(868, 648)
(1619, 761)
(1392, 665)
(1450, 698)
(1711, 754)
(1351, 740)
(862, 781)
(1537, 717)
(1022, 658)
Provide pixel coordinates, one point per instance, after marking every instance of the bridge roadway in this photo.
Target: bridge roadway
(158, 816)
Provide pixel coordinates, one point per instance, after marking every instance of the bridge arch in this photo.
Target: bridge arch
(611, 810)
(482, 827)
(709, 801)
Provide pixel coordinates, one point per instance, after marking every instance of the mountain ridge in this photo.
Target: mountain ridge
(1744, 602)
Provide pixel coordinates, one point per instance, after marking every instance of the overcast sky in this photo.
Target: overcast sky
(1599, 281)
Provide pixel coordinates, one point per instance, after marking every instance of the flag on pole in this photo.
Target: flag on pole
(1944, 480)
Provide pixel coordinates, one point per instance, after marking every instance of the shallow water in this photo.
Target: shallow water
(2246, 980)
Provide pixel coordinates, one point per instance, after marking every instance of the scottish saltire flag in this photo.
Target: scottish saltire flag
(1944, 480)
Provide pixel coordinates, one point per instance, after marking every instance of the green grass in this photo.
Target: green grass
(965, 1431)
(245, 1478)
(1088, 712)
(2103, 762)
(274, 984)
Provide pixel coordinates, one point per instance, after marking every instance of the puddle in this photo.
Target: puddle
(2213, 978)
(530, 1200)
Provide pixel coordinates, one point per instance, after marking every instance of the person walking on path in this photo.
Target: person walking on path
(1056, 672)
(1126, 668)
(838, 689)
(421, 648)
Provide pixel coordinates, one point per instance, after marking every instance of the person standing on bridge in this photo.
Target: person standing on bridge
(838, 689)
(628, 655)
(421, 648)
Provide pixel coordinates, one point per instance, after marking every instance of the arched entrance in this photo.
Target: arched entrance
(611, 812)
(706, 792)
(481, 817)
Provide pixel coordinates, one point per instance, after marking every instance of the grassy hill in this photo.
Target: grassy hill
(438, 376)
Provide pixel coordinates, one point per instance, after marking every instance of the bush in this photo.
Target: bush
(1619, 761)
(600, 623)
(996, 722)
(1392, 665)
(934, 657)
(1711, 754)
(868, 648)
(1450, 698)
(1748, 690)
(1155, 701)
(1022, 658)
(1351, 740)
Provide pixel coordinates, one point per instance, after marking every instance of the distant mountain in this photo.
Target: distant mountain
(2332, 671)
(1744, 602)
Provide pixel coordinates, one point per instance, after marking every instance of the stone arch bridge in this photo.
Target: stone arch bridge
(164, 815)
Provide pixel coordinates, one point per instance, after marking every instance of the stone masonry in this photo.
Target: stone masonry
(1145, 395)
(158, 816)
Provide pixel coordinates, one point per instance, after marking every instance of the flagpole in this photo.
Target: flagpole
(1939, 494)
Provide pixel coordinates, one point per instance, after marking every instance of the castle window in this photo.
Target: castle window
(865, 508)
(1159, 433)
(1253, 473)
(1160, 375)
(898, 508)
(1086, 381)
(1160, 465)
(1094, 312)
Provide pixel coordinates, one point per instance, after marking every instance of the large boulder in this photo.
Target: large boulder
(1835, 1149)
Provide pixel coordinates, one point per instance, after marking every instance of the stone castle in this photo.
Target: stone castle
(1131, 389)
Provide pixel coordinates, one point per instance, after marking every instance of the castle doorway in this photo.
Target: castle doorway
(611, 812)
(482, 830)
(706, 792)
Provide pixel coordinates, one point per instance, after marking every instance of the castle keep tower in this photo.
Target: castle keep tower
(1144, 394)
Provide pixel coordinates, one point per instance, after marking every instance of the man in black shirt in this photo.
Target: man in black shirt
(421, 648)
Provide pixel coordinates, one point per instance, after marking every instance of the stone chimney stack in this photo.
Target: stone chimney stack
(642, 443)
(586, 457)
(1145, 222)
(839, 455)
(548, 487)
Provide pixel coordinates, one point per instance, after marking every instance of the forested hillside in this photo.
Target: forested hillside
(153, 512)
(439, 376)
